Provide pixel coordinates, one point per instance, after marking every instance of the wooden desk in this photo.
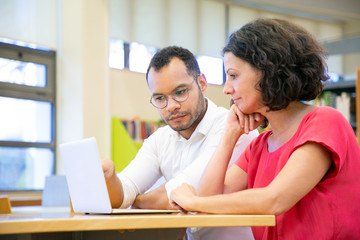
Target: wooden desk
(44, 220)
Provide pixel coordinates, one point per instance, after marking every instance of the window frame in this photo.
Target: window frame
(45, 94)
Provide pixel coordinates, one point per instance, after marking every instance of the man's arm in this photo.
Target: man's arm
(136, 178)
(155, 199)
(113, 183)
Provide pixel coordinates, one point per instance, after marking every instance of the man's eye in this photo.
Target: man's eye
(159, 98)
(180, 92)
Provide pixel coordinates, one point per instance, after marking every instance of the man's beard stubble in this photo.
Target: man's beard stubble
(194, 115)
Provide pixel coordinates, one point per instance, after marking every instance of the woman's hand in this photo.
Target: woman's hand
(182, 197)
(240, 123)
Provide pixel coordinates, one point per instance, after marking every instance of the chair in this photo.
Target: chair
(5, 206)
(56, 192)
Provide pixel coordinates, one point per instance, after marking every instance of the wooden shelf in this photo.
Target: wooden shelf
(341, 86)
(25, 201)
(24, 198)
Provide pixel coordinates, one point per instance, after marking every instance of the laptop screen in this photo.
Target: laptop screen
(85, 177)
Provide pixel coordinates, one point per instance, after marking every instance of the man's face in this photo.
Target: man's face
(180, 116)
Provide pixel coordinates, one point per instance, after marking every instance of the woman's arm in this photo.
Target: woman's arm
(213, 179)
(303, 171)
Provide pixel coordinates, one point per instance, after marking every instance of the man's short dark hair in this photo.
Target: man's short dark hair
(163, 57)
(291, 60)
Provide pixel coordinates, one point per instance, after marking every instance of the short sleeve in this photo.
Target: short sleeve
(328, 127)
(242, 161)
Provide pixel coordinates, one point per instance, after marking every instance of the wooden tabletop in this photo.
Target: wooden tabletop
(42, 219)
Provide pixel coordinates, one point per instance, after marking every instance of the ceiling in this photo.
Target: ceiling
(341, 11)
(345, 12)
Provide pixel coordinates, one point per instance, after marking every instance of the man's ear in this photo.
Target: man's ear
(202, 82)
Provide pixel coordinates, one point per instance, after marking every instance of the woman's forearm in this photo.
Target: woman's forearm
(250, 201)
(212, 181)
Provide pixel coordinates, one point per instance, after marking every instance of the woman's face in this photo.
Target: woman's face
(241, 80)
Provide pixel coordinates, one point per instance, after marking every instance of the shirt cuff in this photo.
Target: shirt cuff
(171, 185)
(130, 191)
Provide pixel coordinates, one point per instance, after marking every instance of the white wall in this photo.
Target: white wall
(83, 73)
(130, 96)
(32, 21)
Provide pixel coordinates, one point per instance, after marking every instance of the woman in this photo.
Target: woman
(306, 169)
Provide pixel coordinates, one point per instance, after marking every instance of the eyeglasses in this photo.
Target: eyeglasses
(179, 95)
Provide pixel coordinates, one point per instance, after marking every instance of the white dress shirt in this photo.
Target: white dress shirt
(166, 153)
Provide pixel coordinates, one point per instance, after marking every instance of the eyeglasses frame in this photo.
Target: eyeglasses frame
(172, 93)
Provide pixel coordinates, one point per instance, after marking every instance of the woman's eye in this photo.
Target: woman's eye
(230, 76)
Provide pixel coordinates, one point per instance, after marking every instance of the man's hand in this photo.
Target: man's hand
(108, 167)
(113, 183)
(155, 199)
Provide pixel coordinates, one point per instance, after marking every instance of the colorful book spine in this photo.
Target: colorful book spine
(140, 130)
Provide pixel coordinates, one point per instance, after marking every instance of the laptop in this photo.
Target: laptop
(86, 181)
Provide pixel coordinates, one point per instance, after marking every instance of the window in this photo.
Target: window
(334, 77)
(136, 57)
(140, 56)
(212, 68)
(116, 54)
(27, 123)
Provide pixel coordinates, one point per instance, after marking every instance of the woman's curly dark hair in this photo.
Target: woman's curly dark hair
(291, 60)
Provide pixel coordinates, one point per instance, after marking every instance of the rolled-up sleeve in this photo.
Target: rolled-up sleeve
(141, 173)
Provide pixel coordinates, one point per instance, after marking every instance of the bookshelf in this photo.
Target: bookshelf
(338, 87)
(342, 96)
(127, 138)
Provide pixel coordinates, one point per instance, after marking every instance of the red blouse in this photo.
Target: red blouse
(331, 210)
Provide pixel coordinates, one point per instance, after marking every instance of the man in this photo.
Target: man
(179, 151)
